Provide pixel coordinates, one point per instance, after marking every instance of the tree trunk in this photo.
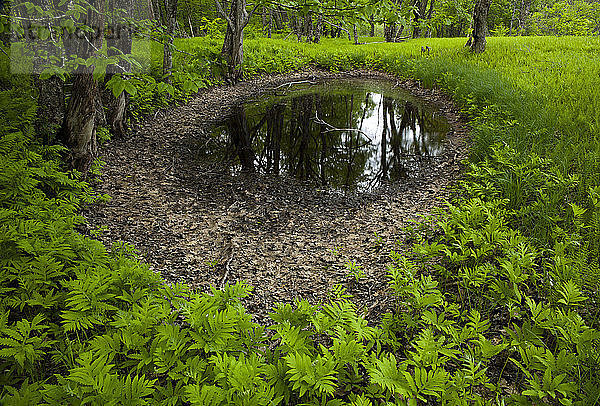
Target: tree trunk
(355, 32)
(233, 46)
(512, 19)
(161, 13)
(523, 15)
(428, 17)
(270, 26)
(189, 11)
(50, 107)
(171, 20)
(79, 125)
(5, 34)
(121, 40)
(480, 13)
(308, 27)
(151, 15)
(372, 24)
(318, 29)
(419, 16)
(298, 28)
(347, 31)
(278, 17)
(390, 32)
(51, 96)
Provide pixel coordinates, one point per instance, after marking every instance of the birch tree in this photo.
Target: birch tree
(237, 18)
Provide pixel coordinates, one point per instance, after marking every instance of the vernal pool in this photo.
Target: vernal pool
(346, 134)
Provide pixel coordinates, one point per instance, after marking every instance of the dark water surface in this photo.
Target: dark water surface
(350, 134)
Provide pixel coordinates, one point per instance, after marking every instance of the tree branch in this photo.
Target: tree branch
(331, 128)
(288, 84)
(251, 13)
(337, 26)
(223, 14)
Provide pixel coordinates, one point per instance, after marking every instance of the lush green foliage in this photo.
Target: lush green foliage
(497, 303)
(566, 18)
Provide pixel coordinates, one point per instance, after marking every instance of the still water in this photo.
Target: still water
(351, 135)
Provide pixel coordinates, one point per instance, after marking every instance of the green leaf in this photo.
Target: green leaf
(116, 84)
(44, 33)
(130, 88)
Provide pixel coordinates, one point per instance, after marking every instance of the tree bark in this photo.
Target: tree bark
(390, 32)
(233, 46)
(51, 96)
(347, 31)
(298, 26)
(308, 27)
(79, 125)
(5, 34)
(270, 24)
(150, 10)
(524, 12)
(278, 17)
(480, 13)
(50, 107)
(512, 19)
(318, 29)
(189, 11)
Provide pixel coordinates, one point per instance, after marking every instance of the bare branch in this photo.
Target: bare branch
(288, 84)
(337, 26)
(224, 14)
(251, 13)
(331, 128)
(41, 19)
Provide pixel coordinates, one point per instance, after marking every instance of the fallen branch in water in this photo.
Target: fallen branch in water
(288, 84)
(331, 128)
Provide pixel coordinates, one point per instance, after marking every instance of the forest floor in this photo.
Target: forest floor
(197, 224)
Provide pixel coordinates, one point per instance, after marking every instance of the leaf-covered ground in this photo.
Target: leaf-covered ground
(196, 224)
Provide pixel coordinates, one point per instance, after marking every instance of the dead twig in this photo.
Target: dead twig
(371, 308)
(330, 128)
(288, 84)
(227, 270)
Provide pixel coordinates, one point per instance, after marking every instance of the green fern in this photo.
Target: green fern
(315, 377)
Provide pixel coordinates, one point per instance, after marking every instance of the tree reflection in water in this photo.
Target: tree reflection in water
(353, 139)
